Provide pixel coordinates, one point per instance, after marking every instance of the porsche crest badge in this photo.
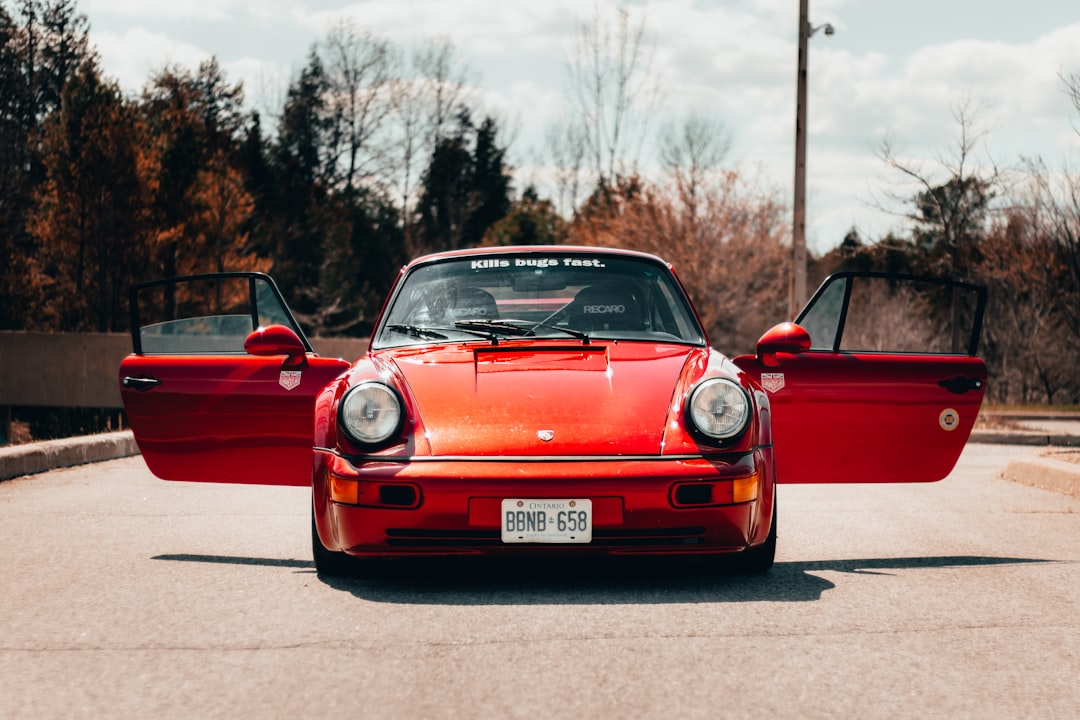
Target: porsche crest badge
(773, 382)
(289, 379)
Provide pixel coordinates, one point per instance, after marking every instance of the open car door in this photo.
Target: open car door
(221, 385)
(876, 381)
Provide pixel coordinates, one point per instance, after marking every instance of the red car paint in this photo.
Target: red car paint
(541, 410)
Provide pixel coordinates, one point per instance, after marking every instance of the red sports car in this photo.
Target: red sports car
(551, 400)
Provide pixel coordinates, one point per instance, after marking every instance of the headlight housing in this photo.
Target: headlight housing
(719, 409)
(370, 413)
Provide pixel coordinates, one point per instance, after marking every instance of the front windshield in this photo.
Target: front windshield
(552, 295)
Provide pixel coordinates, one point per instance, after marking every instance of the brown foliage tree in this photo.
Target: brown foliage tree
(87, 219)
(218, 225)
(1032, 335)
(726, 243)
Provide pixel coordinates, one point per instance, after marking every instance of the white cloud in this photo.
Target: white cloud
(131, 58)
(175, 9)
(481, 26)
(734, 60)
(196, 10)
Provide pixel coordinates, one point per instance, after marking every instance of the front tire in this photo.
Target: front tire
(329, 563)
(760, 559)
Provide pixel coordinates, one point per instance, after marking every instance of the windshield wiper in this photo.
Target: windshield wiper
(487, 329)
(506, 326)
(420, 332)
(433, 333)
(532, 325)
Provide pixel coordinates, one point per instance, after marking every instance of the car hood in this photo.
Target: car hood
(598, 399)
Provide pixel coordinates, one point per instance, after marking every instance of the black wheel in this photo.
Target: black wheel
(760, 559)
(327, 562)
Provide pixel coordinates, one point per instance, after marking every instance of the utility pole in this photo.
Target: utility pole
(797, 292)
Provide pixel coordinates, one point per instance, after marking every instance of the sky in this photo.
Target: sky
(891, 70)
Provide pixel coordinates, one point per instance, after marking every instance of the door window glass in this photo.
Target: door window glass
(200, 315)
(894, 314)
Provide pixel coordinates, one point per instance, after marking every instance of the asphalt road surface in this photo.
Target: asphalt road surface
(125, 596)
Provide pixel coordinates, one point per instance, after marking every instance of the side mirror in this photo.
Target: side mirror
(274, 340)
(786, 337)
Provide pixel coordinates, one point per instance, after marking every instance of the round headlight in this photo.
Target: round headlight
(719, 409)
(371, 413)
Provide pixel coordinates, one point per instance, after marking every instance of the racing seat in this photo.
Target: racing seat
(473, 303)
(605, 307)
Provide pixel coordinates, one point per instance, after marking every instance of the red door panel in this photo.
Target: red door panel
(226, 418)
(860, 418)
(877, 382)
(222, 384)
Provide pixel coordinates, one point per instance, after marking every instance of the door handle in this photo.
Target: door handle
(961, 385)
(142, 384)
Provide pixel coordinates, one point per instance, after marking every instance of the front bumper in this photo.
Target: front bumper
(432, 506)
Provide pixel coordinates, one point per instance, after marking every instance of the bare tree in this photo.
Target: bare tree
(445, 83)
(1072, 88)
(409, 123)
(690, 151)
(731, 260)
(1068, 217)
(1029, 345)
(424, 102)
(949, 199)
(567, 146)
(612, 89)
(358, 68)
(1053, 202)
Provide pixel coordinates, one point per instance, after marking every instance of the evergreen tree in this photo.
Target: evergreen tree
(176, 138)
(64, 46)
(957, 209)
(253, 161)
(16, 246)
(298, 199)
(444, 205)
(490, 184)
(87, 218)
(466, 187)
(530, 221)
(220, 107)
(41, 45)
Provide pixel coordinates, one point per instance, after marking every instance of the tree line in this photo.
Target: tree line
(376, 154)
(373, 157)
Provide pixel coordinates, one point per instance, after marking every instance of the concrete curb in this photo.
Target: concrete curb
(1021, 437)
(1046, 473)
(33, 458)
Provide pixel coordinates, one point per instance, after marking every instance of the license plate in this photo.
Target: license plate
(546, 521)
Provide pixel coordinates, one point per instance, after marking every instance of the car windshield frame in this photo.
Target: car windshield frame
(567, 296)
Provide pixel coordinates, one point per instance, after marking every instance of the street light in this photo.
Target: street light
(797, 290)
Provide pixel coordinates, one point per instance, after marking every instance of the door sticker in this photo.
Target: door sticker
(289, 379)
(949, 419)
(773, 382)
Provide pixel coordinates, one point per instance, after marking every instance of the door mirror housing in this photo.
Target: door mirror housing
(786, 337)
(274, 340)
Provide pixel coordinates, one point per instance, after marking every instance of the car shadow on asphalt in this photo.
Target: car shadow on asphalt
(598, 581)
